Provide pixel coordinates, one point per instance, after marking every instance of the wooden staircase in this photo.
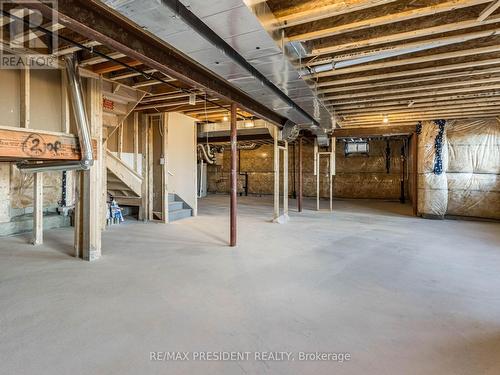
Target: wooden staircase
(124, 184)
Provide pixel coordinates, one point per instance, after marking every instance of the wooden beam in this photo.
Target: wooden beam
(164, 181)
(413, 95)
(413, 88)
(414, 147)
(373, 131)
(417, 114)
(136, 142)
(387, 19)
(420, 106)
(25, 95)
(407, 81)
(144, 208)
(439, 98)
(91, 208)
(37, 208)
(299, 15)
(65, 109)
(99, 59)
(489, 10)
(416, 72)
(413, 60)
(411, 47)
(414, 120)
(19, 144)
(111, 66)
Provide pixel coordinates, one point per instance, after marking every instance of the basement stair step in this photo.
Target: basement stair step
(177, 209)
(179, 214)
(174, 206)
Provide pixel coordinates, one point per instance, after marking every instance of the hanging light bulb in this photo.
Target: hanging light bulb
(224, 118)
(386, 119)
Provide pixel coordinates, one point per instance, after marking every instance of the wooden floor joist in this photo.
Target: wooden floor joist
(374, 131)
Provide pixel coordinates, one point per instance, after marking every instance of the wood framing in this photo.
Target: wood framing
(388, 19)
(25, 95)
(37, 208)
(20, 144)
(90, 207)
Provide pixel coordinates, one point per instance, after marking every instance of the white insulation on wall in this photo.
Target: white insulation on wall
(470, 182)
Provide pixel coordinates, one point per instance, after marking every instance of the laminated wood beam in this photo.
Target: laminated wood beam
(30, 144)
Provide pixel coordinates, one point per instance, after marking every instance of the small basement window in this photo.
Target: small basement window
(356, 148)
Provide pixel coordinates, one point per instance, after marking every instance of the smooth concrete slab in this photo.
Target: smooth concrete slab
(402, 295)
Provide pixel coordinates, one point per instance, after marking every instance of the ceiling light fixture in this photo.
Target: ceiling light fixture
(386, 119)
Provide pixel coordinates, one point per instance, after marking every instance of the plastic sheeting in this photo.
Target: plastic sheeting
(432, 188)
(470, 182)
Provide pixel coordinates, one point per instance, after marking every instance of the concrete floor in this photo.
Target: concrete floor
(402, 295)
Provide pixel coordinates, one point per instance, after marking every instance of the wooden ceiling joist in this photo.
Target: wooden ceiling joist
(373, 131)
(414, 60)
(491, 95)
(489, 10)
(418, 114)
(430, 31)
(388, 19)
(111, 66)
(448, 77)
(468, 103)
(414, 88)
(304, 13)
(411, 96)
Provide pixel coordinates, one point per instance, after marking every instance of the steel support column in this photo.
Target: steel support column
(301, 180)
(234, 175)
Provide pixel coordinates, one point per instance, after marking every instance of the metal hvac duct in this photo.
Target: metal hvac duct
(87, 158)
(228, 38)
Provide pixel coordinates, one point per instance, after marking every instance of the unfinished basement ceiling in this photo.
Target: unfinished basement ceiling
(393, 62)
(238, 26)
